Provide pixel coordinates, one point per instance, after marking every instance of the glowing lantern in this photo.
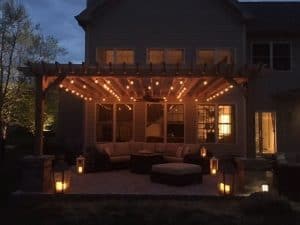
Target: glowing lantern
(226, 182)
(203, 152)
(61, 177)
(80, 163)
(214, 165)
(265, 188)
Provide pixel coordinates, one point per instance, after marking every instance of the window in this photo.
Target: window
(169, 56)
(115, 56)
(281, 56)
(214, 56)
(276, 56)
(261, 54)
(155, 123)
(226, 124)
(124, 122)
(206, 123)
(175, 123)
(104, 123)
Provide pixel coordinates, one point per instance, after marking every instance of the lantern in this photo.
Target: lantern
(61, 177)
(214, 165)
(80, 163)
(203, 152)
(265, 188)
(226, 181)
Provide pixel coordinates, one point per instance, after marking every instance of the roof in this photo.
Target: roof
(84, 17)
(268, 17)
(260, 17)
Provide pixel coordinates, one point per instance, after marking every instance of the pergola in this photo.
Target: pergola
(130, 82)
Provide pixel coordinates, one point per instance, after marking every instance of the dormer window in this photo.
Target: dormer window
(115, 56)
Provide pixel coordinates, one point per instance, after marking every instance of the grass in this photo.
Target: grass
(140, 212)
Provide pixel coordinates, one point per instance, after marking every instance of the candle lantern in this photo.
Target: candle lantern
(226, 181)
(203, 152)
(61, 177)
(265, 188)
(214, 165)
(80, 164)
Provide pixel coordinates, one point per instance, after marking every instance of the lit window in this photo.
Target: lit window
(226, 123)
(206, 123)
(155, 123)
(115, 56)
(175, 123)
(168, 56)
(104, 123)
(214, 56)
(124, 122)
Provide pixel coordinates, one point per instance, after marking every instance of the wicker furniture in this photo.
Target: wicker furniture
(142, 162)
(178, 174)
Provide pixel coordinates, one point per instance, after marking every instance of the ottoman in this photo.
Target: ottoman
(178, 174)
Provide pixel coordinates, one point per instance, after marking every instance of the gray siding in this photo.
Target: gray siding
(191, 24)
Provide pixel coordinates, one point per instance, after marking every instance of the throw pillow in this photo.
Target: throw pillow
(186, 150)
(179, 152)
(107, 150)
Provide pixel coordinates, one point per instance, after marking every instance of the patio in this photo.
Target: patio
(126, 183)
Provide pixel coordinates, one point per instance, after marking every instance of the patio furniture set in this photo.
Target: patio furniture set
(173, 164)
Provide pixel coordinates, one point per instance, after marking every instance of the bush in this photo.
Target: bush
(265, 204)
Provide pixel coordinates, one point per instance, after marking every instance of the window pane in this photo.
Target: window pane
(175, 125)
(174, 56)
(261, 54)
(124, 56)
(206, 123)
(155, 123)
(281, 56)
(226, 124)
(156, 56)
(224, 56)
(109, 56)
(206, 57)
(104, 123)
(124, 123)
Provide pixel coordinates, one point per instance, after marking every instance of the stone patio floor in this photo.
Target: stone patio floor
(127, 183)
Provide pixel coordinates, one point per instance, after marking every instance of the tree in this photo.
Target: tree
(20, 41)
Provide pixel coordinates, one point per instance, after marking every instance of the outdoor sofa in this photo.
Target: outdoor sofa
(117, 155)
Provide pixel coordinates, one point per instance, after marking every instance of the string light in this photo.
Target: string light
(156, 83)
(205, 83)
(227, 89)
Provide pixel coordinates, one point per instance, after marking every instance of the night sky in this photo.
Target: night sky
(56, 18)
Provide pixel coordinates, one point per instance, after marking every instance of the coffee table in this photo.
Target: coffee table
(142, 162)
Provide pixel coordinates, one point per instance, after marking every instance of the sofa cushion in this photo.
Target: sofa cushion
(121, 149)
(176, 168)
(179, 152)
(172, 159)
(108, 148)
(118, 159)
(171, 149)
(190, 149)
(135, 146)
(160, 147)
(149, 147)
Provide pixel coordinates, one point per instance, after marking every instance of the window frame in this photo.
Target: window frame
(216, 123)
(164, 55)
(233, 50)
(114, 55)
(166, 123)
(97, 122)
(164, 116)
(271, 56)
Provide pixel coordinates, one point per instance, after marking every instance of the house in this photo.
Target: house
(219, 73)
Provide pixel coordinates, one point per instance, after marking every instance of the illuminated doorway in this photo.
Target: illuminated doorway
(265, 132)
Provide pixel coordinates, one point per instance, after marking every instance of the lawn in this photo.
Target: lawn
(213, 211)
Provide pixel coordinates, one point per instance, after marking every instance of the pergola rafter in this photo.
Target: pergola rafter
(48, 76)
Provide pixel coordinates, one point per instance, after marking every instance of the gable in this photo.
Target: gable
(102, 6)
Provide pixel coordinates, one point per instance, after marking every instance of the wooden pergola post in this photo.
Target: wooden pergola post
(39, 114)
